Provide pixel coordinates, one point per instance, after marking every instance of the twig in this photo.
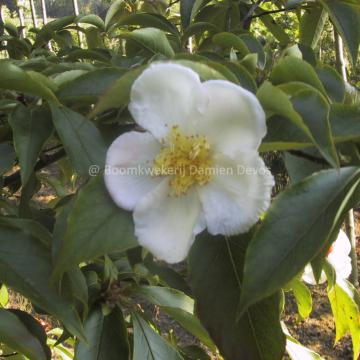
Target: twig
(173, 2)
(274, 12)
(251, 11)
(44, 161)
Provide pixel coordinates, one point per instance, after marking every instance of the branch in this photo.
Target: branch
(45, 160)
(275, 12)
(173, 2)
(251, 11)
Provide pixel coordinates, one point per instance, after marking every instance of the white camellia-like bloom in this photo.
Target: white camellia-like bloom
(197, 165)
(338, 257)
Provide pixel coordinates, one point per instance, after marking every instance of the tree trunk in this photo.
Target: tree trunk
(33, 13)
(76, 12)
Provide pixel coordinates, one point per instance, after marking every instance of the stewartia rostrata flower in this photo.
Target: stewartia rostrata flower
(197, 164)
(338, 257)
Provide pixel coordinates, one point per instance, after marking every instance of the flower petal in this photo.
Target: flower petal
(233, 120)
(164, 95)
(237, 195)
(167, 226)
(309, 278)
(338, 257)
(126, 162)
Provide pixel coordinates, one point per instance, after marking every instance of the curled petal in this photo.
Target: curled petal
(238, 194)
(127, 160)
(166, 225)
(165, 95)
(233, 120)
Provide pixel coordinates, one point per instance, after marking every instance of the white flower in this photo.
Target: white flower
(338, 257)
(200, 156)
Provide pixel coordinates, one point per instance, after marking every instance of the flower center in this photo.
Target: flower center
(186, 159)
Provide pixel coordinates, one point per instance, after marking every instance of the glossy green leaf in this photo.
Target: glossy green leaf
(216, 266)
(345, 123)
(345, 14)
(89, 86)
(106, 335)
(92, 20)
(149, 20)
(116, 8)
(14, 78)
(293, 69)
(314, 110)
(82, 140)
(333, 83)
(151, 39)
(312, 25)
(18, 334)
(275, 28)
(230, 40)
(118, 94)
(26, 265)
(95, 227)
(31, 129)
(186, 7)
(178, 306)
(296, 228)
(7, 158)
(149, 344)
(275, 101)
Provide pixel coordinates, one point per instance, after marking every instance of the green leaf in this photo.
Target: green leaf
(255, 47)
(151, 39)
(7, 158)
(26, 265)
(302, 296)
(148, 344)
(92, 20)
(82, 140)
(17, 334)
(118, 94)
(345, 14)
(14, 78)
(149, 20)
(296, 228)
(245, 78)
(293, 69)
(115, 9)
(230, 40)
(47, 31)
(186, 7)
(95, 227)
(333, 83)
(178, 306)
(275, 101)
(278, 32)
(314, 110)
(312, 25)
(4, 296)
(345, 123)
(31, 129)
(216, 266)
(199, 28)
(106, 335)
(163, 296)
(344, 300)
(89, 86)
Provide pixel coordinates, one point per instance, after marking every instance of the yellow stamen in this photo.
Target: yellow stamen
(186, 159)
